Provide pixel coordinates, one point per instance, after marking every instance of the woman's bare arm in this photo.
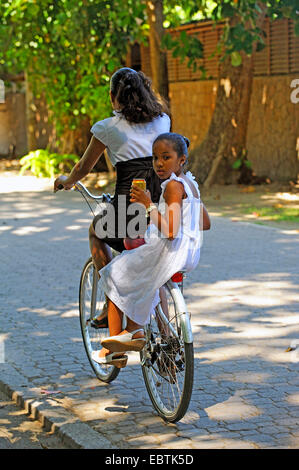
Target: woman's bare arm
(91, 155)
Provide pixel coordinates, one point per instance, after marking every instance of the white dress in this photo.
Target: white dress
(132, 279)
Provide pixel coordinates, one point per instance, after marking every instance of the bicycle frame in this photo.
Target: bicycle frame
(94, 292)
(182, 313)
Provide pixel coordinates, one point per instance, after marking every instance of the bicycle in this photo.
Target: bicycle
(167, 359)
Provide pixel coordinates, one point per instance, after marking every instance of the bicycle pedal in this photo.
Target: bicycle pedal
(99, 324)
(180, 365)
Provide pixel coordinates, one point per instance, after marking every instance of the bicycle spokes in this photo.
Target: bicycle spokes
(167, 363)
(92, 303)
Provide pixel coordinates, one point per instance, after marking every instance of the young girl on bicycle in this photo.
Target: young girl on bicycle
(131, 281)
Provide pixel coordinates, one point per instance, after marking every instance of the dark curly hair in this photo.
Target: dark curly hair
(179, 142)
(134, 93)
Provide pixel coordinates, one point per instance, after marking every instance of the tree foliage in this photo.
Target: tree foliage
(43, 163)
(241, 32)
(69, 49)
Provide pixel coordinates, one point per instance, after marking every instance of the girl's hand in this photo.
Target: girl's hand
(206, 223)
(62, 181)
(138, 195)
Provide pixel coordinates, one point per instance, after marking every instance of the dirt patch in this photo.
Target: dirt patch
(246, 203)
(9, 165)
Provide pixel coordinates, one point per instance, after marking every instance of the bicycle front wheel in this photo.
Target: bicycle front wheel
(92, 302)
(167, 360)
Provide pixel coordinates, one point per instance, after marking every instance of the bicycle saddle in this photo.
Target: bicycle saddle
(131, 243)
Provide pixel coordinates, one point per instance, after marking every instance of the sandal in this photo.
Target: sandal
(101, 321)
(125, 342)
(110, 359)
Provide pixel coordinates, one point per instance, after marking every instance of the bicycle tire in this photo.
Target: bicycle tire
(168, 362)
(91, 336)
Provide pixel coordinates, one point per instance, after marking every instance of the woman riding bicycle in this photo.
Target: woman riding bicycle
(128, 137)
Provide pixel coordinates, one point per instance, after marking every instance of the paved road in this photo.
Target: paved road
(243, 298)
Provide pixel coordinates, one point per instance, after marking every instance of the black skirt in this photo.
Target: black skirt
(112, 224)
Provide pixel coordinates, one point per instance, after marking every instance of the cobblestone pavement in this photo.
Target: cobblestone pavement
(19, 431)
(243, 298)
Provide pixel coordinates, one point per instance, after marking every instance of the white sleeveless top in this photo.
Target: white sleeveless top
(125, 140)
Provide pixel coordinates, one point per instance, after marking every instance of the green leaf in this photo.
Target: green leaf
(214, 13)
(184, 37)
(237, 164)
(260, 46)
(257, 7)
(176, 52)
(236, 59)
(227, 10)
(167, 41)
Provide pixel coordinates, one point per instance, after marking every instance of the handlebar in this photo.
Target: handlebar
(81, 188)
(84, 191)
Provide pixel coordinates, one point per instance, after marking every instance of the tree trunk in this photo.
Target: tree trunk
(75, 141)
(30, 116)
(228, 126)
(158, 58)
(225, 141)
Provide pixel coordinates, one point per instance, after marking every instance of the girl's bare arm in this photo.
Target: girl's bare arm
(206, 223)
(169, 223)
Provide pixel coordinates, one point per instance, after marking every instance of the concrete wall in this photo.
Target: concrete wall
(13, 140)
(192, 106)
(13, 123)
(273, 128)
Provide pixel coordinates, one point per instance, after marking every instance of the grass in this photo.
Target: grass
(278, 213)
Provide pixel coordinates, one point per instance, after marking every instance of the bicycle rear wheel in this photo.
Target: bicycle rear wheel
(167, 360)
(91, 303)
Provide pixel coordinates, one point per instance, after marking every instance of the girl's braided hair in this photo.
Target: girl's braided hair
(179, 143)
(133, 92)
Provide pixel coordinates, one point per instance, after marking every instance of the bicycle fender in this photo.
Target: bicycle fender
(181, 311)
